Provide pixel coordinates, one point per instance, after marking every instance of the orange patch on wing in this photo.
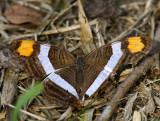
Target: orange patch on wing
(135, 44)
(26, 48)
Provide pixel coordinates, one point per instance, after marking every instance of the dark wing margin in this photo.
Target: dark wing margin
(136, 48)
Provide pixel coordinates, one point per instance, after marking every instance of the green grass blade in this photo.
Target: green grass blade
(31, 93)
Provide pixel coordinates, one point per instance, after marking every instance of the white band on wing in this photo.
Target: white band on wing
(63, 84)
(117, 53)
(49, 69)
(43, 57)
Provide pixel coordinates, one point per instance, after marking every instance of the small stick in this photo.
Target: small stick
(136, 25)
(56, 31)
(28, 113)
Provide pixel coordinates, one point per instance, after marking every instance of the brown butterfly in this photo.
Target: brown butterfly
(68, 80)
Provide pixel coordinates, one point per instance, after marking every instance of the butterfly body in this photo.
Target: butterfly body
(70, 80)
(80, 64)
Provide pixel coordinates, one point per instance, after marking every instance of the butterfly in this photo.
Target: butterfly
(69, 80)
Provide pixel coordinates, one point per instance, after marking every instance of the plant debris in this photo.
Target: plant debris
(19, 14)
(56, 22)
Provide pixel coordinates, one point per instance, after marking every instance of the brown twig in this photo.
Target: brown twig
(63, 12)
(137, 23)
(56, 31)
(30, 114)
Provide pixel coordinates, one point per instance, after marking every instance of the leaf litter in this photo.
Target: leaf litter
(136, 18)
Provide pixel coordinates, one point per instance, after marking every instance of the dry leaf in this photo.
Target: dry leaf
(6, 61)
(150, 106)
(86, 38)
(19, 14)
(157, 100)
(125, 74)
(4, 57)
(2, 115)
(88, 115)
(136, 116)
(102, 8)
(66, 114)
(128, 108)
(9, 87)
